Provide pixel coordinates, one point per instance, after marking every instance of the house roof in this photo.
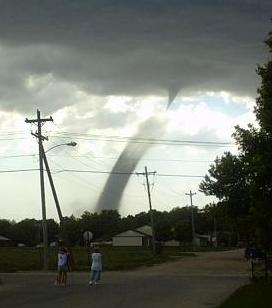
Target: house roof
(203, 236)
(147, 230)
(139, 232)
(129, 233)
(3, 238)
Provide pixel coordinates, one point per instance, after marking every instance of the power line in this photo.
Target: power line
(18, 155)
(147, 139)
(19, 170)
(103, 172)
(181, 175)
(112, 158)
(184, 143)
(16, 138)
(5, 133)
(152, 141)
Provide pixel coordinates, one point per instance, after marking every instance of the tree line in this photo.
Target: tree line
(172, 225)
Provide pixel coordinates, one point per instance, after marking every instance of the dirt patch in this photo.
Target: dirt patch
(215, 263)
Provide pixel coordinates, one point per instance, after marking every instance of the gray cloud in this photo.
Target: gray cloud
(129, 47)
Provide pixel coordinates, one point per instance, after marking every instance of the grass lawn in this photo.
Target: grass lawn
(255, 295)
(114, 258)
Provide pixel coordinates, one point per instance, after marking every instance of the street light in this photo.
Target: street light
(45, 235)
(71, 144)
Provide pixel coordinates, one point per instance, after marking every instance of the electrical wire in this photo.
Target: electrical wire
(104, 172)
(147, 139)
(155, 141)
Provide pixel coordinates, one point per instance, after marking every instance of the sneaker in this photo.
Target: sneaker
(90, 283)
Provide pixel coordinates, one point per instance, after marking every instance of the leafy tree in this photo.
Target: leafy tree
(71, 230)
(109, 222)
(25, 232)
(90, 222)
(179, 215)
(5, 228)
(53, 230)
(142, 219)
(127, 223)
(103, 225)
(243, 183)
(163, 230)
(227, 180)
(183, 232)
(255, 145)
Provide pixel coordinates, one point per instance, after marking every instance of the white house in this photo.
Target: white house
(4, 241)
(140, 237)
(205, 240)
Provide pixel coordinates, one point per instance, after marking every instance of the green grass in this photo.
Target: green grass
(256, 295)
(114, 258)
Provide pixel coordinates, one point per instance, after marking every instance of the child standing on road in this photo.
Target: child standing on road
(62, 267)
(96, 267)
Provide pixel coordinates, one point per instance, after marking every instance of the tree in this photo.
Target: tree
(109, 222)
(163, 230)
(71, 230)
(25, 232)
(53, 230)
(227, 180)
(5, 228)
(255, 145)
(183, 232)
(243, 183)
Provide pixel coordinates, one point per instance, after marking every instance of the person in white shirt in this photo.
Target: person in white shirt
(96, 267)
(62, 267)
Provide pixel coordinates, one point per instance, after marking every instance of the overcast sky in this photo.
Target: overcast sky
(109, 68)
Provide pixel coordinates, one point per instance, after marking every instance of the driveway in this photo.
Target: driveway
(192, 282)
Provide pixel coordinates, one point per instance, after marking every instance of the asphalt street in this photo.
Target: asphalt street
(187, 283)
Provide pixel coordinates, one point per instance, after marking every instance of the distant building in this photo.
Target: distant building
(205, 240)
(171, 243)
(140, 237)
(4, 241)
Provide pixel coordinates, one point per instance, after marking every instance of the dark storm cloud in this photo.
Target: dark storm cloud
(130, 47)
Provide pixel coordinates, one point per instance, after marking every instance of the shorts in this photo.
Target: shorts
(63, 268)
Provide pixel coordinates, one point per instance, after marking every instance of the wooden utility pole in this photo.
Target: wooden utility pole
(193, 219)
(150, 207)
(41, 138)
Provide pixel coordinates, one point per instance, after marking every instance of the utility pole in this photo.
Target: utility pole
(193, 219)
(41, 138)
(150, 207)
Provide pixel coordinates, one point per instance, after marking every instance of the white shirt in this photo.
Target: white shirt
(96, 261)
(62, 259)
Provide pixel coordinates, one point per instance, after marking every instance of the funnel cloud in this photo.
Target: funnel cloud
(172, 94)
(114, 188)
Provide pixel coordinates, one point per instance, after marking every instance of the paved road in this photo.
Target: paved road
(197, 282)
